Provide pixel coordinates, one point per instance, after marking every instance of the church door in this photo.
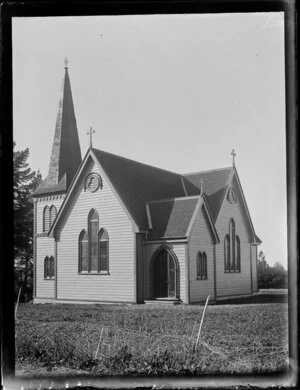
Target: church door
(164, 275)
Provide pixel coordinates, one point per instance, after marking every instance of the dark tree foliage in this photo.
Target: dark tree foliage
(270, 277)
(25, 183)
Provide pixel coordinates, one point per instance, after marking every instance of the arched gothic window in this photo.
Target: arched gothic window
(227, 252)
(238, 253)
(46, 267)
(46, 219)
(53, 213)
(201, 266)
(232, 249)
(93, 228)
(83, 252)
(103, 251)
(49, 267)
(232, 238)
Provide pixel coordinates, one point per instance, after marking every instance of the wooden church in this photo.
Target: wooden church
(110, 229)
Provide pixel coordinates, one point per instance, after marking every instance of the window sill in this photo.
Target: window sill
(232, 272)
(49, 278)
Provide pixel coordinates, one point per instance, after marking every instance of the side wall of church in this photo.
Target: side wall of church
(234, 283)
(254, 268)
(120, 284)
(201, 239)
(180, 251)
(44, 247)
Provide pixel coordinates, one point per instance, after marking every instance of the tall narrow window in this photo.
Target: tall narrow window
(232, 237)
(201, 266)
(238, 253)
(53, 212)
(51, 267)
(204, 260)
(103, 251)
(83, 252)
(46, 267)
(46, 219)
(93, 224)
(227, 252)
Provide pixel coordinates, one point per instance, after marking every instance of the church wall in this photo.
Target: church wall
(180, 251)
(201, 239)
(254, 268)
(233, 283)
(120, 284)
(140, 261)
(44, 287)
(44, 246)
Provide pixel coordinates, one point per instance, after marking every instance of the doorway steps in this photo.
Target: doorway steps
(162, 301)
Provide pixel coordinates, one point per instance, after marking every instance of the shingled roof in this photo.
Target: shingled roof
(171, 218)
(138, 183)
(66, 154)
(215, 186)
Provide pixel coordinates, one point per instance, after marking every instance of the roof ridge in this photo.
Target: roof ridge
(174, 199)
(137, 162)
(209, 170)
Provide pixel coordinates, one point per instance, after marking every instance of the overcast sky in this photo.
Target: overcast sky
(175, 91)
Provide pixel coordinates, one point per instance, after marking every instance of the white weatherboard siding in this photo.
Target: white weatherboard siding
(233, 283)
(120, 284)
(180, 252)
(44, 287)
(254, 268)
(201, 239)
(44, 247)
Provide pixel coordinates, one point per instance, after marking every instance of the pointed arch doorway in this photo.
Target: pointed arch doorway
(164, 275)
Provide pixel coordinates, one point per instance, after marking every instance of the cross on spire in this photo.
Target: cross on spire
(233, 156)
(90, 132)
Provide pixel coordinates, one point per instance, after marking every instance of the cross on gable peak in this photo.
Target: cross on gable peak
(90, 133)
(233, 157)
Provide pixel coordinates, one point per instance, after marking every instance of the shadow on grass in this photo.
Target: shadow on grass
(281, 297)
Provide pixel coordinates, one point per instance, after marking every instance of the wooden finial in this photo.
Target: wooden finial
(201, 187)
(90, 132)
(233, 156)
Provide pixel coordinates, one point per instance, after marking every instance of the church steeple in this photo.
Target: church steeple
(66, 155)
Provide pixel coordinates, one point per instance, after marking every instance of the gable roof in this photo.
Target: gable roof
(138, 184)
(171, 218)
(215, 186)
(158, 201)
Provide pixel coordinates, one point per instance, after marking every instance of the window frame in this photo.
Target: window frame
(103, 232)
(232, 250)
(201, 266)
(47, 268)
(46, 213)
(92, 217)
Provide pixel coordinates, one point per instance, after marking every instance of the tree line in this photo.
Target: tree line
(271, 276)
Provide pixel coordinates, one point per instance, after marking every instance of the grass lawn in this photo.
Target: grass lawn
(151, 340)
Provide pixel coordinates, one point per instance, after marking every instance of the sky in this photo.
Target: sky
(175, 91)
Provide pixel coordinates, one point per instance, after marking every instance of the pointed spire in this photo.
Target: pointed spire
(66, 155)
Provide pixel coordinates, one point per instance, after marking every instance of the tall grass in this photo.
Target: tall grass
(153, 341)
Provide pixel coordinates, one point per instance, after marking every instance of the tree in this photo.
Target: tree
(270, 277)
(25, 183)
